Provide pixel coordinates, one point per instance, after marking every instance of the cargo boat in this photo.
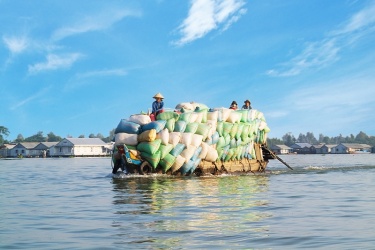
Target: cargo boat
(192, 139)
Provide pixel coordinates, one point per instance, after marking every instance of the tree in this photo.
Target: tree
(51, 137)
(92, 135)
(311, 138)
(20, 138)
(289, 139)
(323, 139)
(38, 137)
(274, 141)
(81, 136)
(3, 132)
(362, 138)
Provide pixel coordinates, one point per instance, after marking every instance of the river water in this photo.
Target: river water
(326, 202)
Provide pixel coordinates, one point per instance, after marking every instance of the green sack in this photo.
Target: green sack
(166, 115)
(153, 159)
(170, 124)
(227, 127)
(167, 162)
(203, 129)
(220, 127)
(234, 130)
(191, 127)
(149, 147)
(165, 149)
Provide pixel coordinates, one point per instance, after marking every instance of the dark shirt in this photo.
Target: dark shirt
(246, 107)
(157, 106)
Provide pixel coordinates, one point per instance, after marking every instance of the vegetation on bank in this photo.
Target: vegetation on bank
(288, 139)
(50, 137)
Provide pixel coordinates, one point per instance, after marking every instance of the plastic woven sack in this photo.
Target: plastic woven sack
(149, 147)
(157, 125)
(127, 127)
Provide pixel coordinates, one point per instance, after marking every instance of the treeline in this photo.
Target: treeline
(50, 137)
(289, 139)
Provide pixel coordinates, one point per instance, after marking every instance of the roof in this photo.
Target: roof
(281, 146)
(318, 145)
(49, 144)
(27, 145)
(86, 141)
(355, 145)
(301, 145)
(45, 145)
(7, 146)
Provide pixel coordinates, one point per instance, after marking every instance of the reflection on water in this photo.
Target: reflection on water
(165, 209)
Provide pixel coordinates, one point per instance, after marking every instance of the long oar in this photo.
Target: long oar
(281, 160)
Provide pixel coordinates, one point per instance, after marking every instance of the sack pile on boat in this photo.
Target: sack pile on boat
(179, 139)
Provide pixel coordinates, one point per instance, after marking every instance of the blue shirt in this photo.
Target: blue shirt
(157, 106)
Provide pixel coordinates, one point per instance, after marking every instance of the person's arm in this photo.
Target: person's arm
(154, 107)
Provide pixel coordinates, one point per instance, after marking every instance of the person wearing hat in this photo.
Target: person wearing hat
(233, 105)
(157, 105)
(246, 105)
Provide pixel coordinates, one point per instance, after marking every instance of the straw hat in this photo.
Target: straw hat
(158, 95)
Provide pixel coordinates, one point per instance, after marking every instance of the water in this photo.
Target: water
(326, 202)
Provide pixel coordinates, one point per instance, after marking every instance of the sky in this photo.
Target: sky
(78, 67)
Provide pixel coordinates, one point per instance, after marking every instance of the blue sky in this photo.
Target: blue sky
(78, 67)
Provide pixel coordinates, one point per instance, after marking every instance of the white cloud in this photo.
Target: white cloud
(30, 98)
(80, 79)
(359, 21)
(322, 53)
(314, 55)
(93, 23)
(99, 73)
(207, 15)
(16, 45)
(54, 62)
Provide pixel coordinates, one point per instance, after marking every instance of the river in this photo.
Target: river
(326, 202)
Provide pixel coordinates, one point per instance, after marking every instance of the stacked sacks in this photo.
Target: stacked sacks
(179, 140)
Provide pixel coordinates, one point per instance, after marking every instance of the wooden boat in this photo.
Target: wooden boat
(210, 142)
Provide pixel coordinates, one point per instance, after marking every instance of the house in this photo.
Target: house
(281, 149)
(351, 148)
(5, 150)
(317, 149)
(80, 147)
(25, 149)
(301, 148)
(327, 148)
(43, 148)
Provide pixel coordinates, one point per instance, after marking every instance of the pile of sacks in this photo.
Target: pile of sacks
(180, 139)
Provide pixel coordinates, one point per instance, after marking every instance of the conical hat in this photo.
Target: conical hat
(158, 95)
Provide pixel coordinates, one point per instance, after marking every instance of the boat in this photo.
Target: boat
(192, 139)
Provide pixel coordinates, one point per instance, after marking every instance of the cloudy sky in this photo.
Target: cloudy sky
(78, 67)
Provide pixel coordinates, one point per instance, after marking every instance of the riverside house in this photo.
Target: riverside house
(5, 150)
(24, 149)
(301, 148)
(281, 149)
(351, 148)
(80, 147)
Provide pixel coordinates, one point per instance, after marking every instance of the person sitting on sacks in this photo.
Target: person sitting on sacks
(247, 105)
(233, 105)
(157, 106)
